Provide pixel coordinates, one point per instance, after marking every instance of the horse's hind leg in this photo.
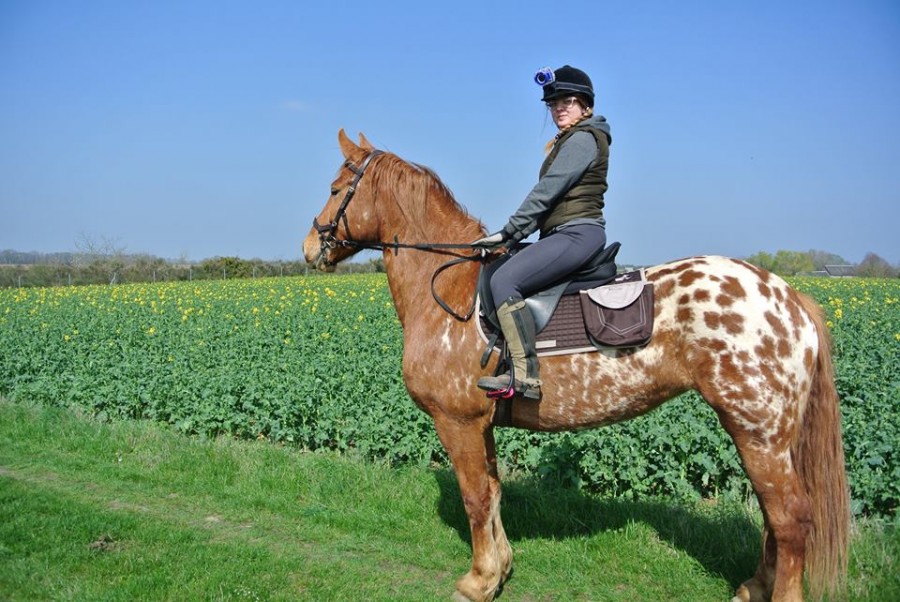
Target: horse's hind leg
(786, 511)
(471, 449)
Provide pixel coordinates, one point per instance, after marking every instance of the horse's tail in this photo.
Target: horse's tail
(819, 458)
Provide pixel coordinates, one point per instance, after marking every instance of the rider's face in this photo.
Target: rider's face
(566, 110)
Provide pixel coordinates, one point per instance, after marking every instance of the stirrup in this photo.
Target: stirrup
(506, 393)
(510, 389)
(501, 386)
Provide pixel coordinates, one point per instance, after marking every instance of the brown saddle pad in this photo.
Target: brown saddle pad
(621, 316)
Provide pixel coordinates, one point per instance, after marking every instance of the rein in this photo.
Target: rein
(328, 240)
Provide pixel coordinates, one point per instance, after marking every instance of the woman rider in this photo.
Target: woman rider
(566, 205)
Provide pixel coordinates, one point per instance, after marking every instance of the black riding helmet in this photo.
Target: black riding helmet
(565, 81)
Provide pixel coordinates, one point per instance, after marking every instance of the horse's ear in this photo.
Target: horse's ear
(364, 143)
(347, 145)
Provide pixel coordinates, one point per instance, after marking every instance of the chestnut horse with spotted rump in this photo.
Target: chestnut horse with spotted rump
(754, 348)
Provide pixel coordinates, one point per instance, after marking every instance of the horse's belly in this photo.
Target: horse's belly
(594, 389)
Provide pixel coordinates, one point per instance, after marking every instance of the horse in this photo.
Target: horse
(755, 349)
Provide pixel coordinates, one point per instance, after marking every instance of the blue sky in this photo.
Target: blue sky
(205, 128)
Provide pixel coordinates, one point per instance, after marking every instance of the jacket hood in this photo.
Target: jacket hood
(599, 122)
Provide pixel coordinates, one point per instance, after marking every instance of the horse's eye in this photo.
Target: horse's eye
(334, 191)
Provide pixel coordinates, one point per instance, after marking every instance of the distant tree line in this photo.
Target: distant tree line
(108, 263)
(103, 267)
(792, 263)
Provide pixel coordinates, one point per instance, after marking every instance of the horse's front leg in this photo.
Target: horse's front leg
(470, 445)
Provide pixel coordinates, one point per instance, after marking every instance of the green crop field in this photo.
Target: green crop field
(314, 363)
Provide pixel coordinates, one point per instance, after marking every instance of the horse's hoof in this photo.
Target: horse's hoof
(458, 596)
(750, 591)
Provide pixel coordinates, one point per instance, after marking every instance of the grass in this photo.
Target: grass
(132, 511)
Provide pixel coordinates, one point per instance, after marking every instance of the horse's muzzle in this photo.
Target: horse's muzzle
(322, 264)
(316, 253)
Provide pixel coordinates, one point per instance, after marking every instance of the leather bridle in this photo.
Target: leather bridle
(328, 240)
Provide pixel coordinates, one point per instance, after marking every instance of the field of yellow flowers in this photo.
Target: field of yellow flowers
(314, 362)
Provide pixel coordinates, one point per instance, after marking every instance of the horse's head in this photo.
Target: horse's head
(342, 223)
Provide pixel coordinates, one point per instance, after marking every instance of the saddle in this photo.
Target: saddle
(590, 309)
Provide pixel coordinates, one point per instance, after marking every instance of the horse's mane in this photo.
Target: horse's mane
(419, 193)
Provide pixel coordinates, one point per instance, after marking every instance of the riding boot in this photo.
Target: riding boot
(517, 324)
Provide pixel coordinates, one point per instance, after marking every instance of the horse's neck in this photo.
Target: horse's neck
(410, 271)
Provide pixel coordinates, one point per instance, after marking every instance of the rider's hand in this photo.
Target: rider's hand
(489, 242)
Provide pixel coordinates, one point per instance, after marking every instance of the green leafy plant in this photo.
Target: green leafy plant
(314, 362)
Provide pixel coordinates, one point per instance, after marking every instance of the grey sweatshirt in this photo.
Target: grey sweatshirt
(573, 159)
